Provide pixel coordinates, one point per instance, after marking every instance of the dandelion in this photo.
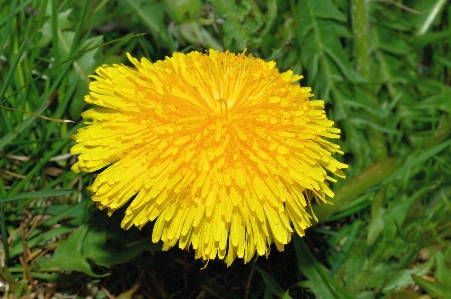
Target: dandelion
(221, 150)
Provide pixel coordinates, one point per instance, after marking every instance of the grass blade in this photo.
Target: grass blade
(70, 59)
(56, 53)
(55, 150)
(79, 28)
(36, 194)
(9, 21)
(418, 160)
(4, 232)
(11, 71)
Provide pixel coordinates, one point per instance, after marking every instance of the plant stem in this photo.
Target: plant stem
(360, 26)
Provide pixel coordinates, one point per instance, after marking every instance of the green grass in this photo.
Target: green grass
(385, 77)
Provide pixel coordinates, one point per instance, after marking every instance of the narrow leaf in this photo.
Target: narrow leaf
(38, 194)
(321, 284)
(272, 286)
(435, 289)
(404, 277)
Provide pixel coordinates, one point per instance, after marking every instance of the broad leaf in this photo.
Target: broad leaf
(101, 242)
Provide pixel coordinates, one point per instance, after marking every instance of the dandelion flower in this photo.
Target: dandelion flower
(221, 150)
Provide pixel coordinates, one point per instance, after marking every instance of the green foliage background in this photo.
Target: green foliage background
(384, 70)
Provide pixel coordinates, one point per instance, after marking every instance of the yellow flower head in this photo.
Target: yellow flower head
(221, 149)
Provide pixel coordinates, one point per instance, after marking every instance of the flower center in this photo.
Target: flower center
(224, 108)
